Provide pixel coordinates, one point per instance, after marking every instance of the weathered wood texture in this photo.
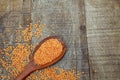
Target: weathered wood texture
(103, 32)
(63, 18)
(90, 29)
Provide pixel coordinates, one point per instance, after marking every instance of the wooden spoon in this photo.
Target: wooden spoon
(32, 66)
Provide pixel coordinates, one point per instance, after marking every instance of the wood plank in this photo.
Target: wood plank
(12, 14)
(64, 19)
(103, 29)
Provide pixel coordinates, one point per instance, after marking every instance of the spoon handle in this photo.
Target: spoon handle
(27, 70)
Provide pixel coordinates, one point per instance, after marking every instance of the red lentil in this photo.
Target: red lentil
(48, 51)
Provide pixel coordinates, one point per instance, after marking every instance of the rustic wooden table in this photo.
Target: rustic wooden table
(90, 29)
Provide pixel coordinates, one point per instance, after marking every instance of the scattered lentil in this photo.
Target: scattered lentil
(20, 56)
(54, 73)
(16, 57)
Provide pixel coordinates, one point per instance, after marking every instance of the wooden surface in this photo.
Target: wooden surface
(103, 32)
(90, 29)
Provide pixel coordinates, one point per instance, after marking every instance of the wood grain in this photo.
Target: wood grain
(64, 19)
(90, 28)
(103, 29)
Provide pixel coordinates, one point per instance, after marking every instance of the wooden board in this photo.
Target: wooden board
(103, 32)
(63, 18)
(90, 29)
